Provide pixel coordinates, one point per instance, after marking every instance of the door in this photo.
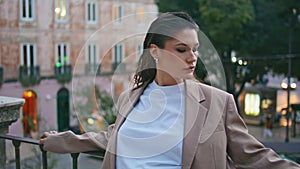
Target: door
(63, 109)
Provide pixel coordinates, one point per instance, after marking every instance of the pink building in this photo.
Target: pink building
(49, 50)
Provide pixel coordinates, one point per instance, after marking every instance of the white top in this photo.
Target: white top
(152, 135)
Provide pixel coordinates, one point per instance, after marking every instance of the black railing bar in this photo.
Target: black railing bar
(17, 153)
(97, 153)
(21, 139)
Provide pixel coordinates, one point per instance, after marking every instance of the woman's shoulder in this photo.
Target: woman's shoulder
(208, 89)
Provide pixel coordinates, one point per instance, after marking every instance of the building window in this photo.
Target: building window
(139, 51)
(28, 58)
(252, 104)
(30, 114)
(61, 10)
(117, 12)
(91, 59)
(91, 12)
(118, 53)
(140, 14)
(27, 10)
(62, 55)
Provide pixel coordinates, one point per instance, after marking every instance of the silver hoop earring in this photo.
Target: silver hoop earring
(156, 60)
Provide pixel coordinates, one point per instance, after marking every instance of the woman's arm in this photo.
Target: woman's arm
(244, 149)
(68, 142)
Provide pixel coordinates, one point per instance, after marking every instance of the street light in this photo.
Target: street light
(288, 84)
(284, 84)
(289, 57)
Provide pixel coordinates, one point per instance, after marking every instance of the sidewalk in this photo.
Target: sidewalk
(279, 134)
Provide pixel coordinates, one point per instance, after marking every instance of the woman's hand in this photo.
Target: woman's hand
(45, 135)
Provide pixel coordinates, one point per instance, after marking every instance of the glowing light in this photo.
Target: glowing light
(252, 104)
(284, 84)
(28, 94)
(63, 12)
(90, 121)
(233, 59)
(293, 85)
(240, 62)
(57, 10)
(58, 64)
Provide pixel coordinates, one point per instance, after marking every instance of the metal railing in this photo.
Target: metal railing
(16, 141)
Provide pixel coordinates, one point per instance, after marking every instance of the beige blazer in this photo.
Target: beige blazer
(215, 134)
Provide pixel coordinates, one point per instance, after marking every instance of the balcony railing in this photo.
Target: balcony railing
(63, 73)
(1, 76)
(119, 67)
(29, 76)
(92, 69)
(16, 141)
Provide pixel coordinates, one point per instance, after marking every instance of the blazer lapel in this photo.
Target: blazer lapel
(195, 115)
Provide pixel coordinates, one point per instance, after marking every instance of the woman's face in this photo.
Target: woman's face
(177, 60)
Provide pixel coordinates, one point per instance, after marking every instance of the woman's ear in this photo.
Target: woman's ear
(154, 50)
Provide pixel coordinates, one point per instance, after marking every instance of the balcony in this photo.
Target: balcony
(29, 76)
(92, 69)
(63, 74)
(118, 67)
(17, 141)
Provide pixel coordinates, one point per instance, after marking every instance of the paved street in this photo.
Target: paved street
(88, 162)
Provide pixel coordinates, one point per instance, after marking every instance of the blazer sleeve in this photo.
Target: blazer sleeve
(68, 142)
(244, 149)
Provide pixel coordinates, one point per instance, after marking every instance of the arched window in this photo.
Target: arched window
(30, 114)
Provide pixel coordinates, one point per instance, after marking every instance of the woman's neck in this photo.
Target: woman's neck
(164, 79)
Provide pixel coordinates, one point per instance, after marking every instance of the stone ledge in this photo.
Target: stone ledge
(10, 108)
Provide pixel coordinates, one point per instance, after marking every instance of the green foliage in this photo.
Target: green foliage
(224, 21)
(92, 103)
(257, 30)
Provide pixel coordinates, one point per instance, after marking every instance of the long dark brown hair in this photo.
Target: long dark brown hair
(162, 29)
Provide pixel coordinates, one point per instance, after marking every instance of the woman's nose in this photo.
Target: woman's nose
(192, 56)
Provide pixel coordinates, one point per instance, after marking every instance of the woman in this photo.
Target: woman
(168, 120)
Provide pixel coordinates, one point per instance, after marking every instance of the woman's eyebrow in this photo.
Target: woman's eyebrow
(183, 44)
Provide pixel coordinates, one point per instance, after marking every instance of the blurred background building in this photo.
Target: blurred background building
(46, 47)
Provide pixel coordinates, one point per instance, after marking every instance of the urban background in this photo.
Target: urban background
(71, 59)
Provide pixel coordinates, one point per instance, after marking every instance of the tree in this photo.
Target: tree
(223, 21)
(262, 33)
(273, 35)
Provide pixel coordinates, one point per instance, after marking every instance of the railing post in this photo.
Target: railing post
(44, 157)
(9, 113)
(75, 160)
(17, 153)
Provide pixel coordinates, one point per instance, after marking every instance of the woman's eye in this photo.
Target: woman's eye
(181, 50)
(195, 50)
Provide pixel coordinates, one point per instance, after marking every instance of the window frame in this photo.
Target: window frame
(91, 12)
(27, 12)
(139, 51)
(28, 53)
(119, 53)
(119, 14)
(59, 20)
(140, 16)
(91, 57)
(60, 45)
